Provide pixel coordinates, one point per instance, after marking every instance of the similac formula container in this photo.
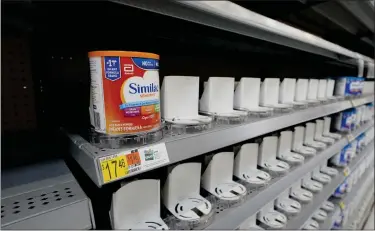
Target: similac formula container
(349, 86)
(124, 92)
(361, 85)
(337, 218)
(344, 121)
(343, 157)
(341, 189)
(360, 142)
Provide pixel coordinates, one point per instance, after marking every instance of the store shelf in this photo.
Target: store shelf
(327, 224)
(44, 196)
(362, 100)
(307, 211)
(232, 218)
(368, 224)
(363, 219)
(229, 16)
(183, 147)
(356, 222)
(298, 221)
(362, 10)
(358, 159)
(350, 195)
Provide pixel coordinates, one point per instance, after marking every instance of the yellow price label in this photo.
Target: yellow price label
(342, 205)
(346, 171)
(117, 166)
(358, 102)
(350, 137)
(354, 103)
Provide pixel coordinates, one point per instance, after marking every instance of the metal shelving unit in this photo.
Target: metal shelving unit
(369, 222)
(353, 222)
(354, 191)
(298, 221)
(362, 10)
(47, 196)
(363, 219)
(231, 17)
(44, 196)
(327, 224)
(355, 163)
(307, 211)
(183, 147)
(233, 217)
(349, 197)
(370, 207)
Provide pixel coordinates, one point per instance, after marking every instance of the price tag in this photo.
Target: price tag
(354, 102)
(350, 137)
(346, 171)
(358, 102)
(342, 205)
(117, 166)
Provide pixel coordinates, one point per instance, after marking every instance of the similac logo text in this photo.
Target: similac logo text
(143, 90)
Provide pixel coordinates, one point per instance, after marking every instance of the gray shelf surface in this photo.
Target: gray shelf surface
(233, 18)
(307, 211)
(182, 147)
(349, 197)
(350, 222)
(327, 224)
(369, 222)
(358, 159)
(368, 210)
(44, 196)
(232, 218)
(359, 225)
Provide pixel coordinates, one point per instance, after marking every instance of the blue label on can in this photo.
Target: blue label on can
(146, 63)
(112, 68)
(346, 119)
(360, 140)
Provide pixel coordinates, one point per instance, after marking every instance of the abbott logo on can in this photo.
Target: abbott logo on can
(125, 91)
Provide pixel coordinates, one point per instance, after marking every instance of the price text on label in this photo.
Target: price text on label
(118, 166)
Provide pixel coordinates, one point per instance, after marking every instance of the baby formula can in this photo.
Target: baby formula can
(124, 92)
